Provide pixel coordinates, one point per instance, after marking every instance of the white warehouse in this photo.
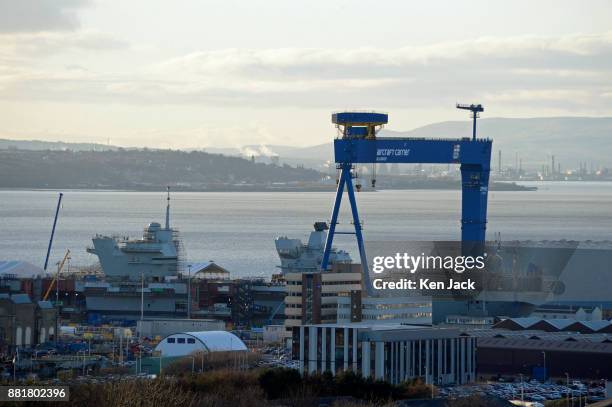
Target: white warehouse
(186, 343)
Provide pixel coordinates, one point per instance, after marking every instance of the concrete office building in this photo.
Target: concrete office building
(312, 297)
(393, 353)
(355, 307)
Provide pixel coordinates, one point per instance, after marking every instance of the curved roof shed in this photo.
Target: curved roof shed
(185, 343)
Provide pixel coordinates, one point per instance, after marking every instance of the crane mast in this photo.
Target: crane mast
(55, 280)
(59, 203)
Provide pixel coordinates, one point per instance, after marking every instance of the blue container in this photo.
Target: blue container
(539, 373)
(94, 318)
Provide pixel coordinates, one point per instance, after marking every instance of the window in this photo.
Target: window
(170, 340)
(190, 340)
(181, 340)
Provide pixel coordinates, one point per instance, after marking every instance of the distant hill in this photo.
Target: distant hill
(6, 144)
(266, 150)
(309, 157)
(570, 139)
(143, 169)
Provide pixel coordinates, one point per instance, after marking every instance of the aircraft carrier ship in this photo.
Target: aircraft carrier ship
(140, 275)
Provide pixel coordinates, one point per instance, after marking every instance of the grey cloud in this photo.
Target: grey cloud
(567, 73)
(26, 47)
(39, 15)
(578, 52)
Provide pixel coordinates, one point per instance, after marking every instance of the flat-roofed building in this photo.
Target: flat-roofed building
(552, 311)
(165, 326)
(572, 356)
(394, 353)
(515, 352)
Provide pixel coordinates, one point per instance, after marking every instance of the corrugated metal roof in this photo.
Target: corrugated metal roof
(20, 269)
(596, 325)
(560, 323)
(541, 335)
(526, 322)
(21, 299)
(545, 345)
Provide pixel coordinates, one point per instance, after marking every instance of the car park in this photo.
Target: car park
(533, 390)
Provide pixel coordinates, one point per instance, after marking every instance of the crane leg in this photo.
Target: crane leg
(360, 244)
(344, 174)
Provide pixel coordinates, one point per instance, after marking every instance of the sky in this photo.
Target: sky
(227, 73)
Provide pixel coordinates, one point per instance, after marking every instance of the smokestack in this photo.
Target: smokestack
(499, 162)
(516, 161)
(552, 167)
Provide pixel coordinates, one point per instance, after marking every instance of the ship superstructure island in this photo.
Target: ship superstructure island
(295, 256)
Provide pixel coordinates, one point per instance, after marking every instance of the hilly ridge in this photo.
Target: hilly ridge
(572, 140)
(142, 170)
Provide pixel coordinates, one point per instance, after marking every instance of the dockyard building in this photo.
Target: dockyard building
(504, 352)
(161, 327)
(24, 323)
(394, 353)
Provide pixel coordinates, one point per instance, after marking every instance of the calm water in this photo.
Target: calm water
(237, 230)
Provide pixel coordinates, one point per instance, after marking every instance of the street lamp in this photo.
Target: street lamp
(15, 360)
(189, 292)
(567, 385)
(545, 375)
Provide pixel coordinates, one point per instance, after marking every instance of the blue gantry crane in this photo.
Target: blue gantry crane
(358, 144)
